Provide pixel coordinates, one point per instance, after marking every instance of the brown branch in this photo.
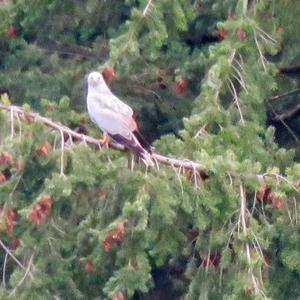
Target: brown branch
(27, 271)
(77, 50)
(295, 91)
(287, 114)
(11, 255)
(181, 163)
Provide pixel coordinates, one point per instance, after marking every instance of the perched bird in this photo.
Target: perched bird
(114, 117)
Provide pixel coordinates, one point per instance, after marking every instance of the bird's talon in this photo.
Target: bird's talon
(105, 141)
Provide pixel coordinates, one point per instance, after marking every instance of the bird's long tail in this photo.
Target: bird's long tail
(142, 140)
(134, 145)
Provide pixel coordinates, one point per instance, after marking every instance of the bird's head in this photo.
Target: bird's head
(95, 80)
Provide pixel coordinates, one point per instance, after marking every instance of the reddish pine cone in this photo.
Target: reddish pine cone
(89, 267)
(5, 158)
(181, 86)
(43, 149)
(222, 34)
(241, 34)
(8, 219)
(109, 74)
(118, 296)
(279, 29)
(40, 211)
(276, 200)
(3, 178)
(15, 243)
(11, 32)
(211, 260)
(114, 237)
(263, 193)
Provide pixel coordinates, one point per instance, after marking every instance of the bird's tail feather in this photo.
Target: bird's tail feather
(147, 159)
(134, 145)
(143, 141)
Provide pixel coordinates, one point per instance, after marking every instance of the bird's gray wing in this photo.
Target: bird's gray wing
(109, 119)
(115, 104)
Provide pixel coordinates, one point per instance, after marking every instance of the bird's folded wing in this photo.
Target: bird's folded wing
(115, 104)
(111, 121)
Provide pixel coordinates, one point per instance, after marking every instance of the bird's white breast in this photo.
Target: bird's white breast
(104, 116)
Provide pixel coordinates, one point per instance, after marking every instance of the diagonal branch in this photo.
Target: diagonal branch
(292, 92)
(175, 162)
(262, 58)
(27, 271)
(146, 10)
(287, 114)
(237, 100)
(74, 50)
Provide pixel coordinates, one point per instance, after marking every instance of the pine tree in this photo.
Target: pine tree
(214, 83)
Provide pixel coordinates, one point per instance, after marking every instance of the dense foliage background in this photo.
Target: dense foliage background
(216, 82)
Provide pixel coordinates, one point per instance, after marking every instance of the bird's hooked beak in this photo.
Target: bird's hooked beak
(94, 81)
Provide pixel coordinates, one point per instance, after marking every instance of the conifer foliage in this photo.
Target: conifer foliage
(207, 78)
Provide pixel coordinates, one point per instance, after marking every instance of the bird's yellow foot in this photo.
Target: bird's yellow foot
(105, 141)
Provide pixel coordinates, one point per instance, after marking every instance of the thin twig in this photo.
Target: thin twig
(20, 125)
(286, 126)
(232, 55)
(147, 7)
(12, 126)
(267, 35)
(245, 7)
(240, 64)
(295, 91)
(242, 84)
(242, 220)
(262, 58)
(4, 270)
(201, 131)
(236, 101)
(295, 209)
(287, 114)
(74, 50)
(11, 255)
(27, 271)
(62, 144)
(281, 178)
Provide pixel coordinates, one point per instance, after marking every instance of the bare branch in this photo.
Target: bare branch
(245, 7)
(262, 58)
(295, 91)
(12, 126)
(232, 55)
(281, 178)
(184, 163)
(147, 8)
(11, 255)
(263, 33)
(27, 271)
(74, 50)
(242, 219)
(237, 100)
(62, 153)
(287, 114)
(4, 270)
